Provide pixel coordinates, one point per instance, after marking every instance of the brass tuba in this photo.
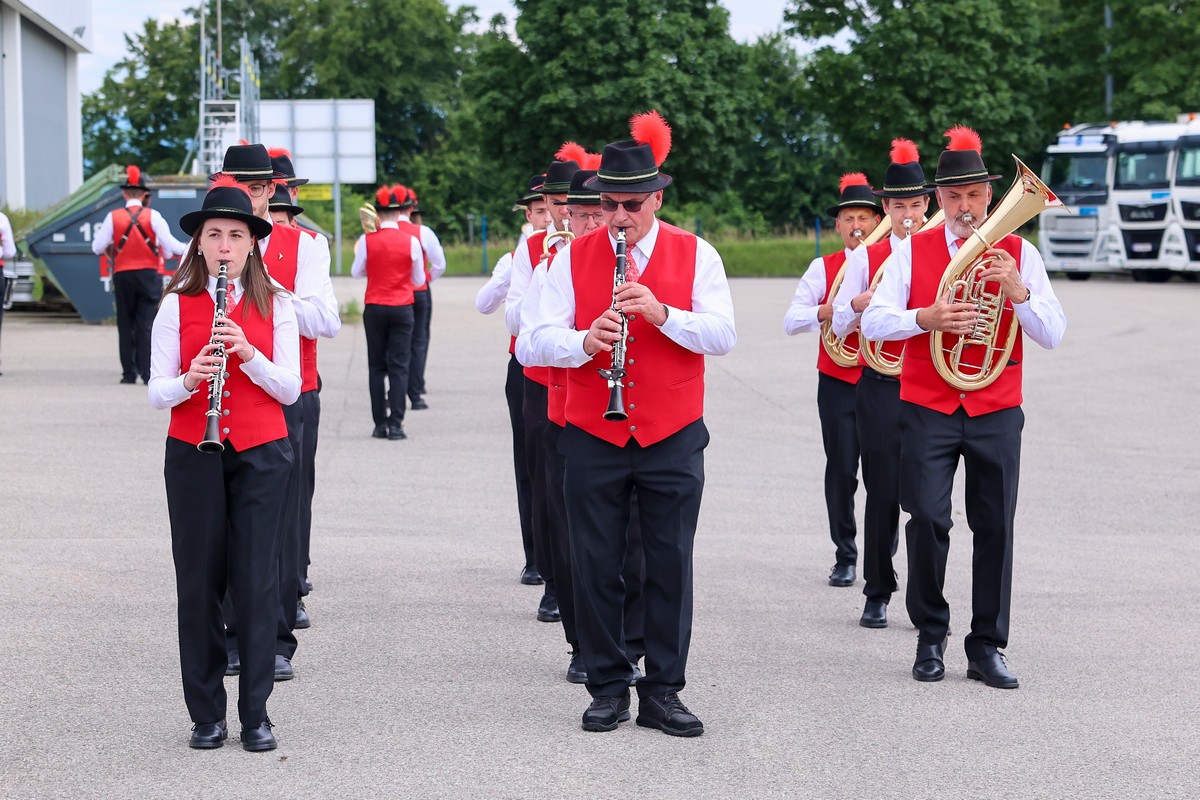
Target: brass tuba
(369, 219)
(872, 352)
(845, 355)
(1027, 198)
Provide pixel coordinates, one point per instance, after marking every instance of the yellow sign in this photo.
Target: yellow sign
(315, 192)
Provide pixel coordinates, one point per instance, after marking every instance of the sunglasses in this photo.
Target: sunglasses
(632, 206)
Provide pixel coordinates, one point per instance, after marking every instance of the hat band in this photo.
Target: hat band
(626, 177)
(904, 188)
(982, 174)
(250, 173)
(583, 199)
(229, 209)
(555, 188)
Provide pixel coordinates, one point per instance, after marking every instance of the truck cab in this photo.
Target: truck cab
(1077, 169)
(1185, 193)
(1143, 231)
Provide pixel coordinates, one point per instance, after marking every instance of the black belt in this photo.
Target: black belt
(879, 376)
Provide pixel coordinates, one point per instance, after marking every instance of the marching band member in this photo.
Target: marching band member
(490, 297)
(8, 249)
(679, 309)
(877, 396)
(283, 212)
(225, 507)
(536, 391)
(939, 424)
(392, 262)
(435, 265)
(135, 238)
(857, 214)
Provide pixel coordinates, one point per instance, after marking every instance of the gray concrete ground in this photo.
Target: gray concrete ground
(425, 674)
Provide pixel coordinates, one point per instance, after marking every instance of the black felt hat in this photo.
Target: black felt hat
(226, 201)
(134, 179)
(558, 177)
(961, 163)
(855, 193)
(392, 198)
(248, 162)
(282, 201)
(532, 193)
(628, 167)
(281, 162)
(904, 176)
(576, 194)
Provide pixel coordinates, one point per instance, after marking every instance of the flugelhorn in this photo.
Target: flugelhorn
(873, 352)
(369, 219)
(990, 338)
(552, 235)
(842, 353)
(211, 443)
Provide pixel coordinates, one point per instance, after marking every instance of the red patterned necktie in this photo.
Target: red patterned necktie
(631, 271)
(959, 242)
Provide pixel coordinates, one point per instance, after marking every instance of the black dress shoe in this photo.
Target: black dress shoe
(842, 575)
(419, 404)
(234, 665)
(395, 432)
(874, 614)
(928, 666)
(531, 577)
(208, 735)
(548, 609)
(128, 380)
(667, 713)
(256, 740)
(307, 586)
(993, 670)
(302, 618)
(380, 432)
(605, 713)
(576, 671)
(283, 668)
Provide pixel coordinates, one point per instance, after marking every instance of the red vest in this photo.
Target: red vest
(249, 415)
(825, 364)
(283, 260)
(919, 381)
(389, 268)
(664, 388)
(414, 230)
(137, 252)
(876, 255)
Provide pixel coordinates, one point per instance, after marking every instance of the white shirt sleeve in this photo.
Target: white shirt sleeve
(166, 389)
(854, 283)
(522, 272)
(491, 294)
(530, 308)
(1042, 317)
(168, 245)
(359, 268)
(888, 317)
(432, 247)
(708, 327)
(8, 245)
(801, 316)
(554, 342)
(418, 262)
(313, 300)
(279, 376)
(104, 236)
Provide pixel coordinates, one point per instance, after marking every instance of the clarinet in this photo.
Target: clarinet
(216, 383)
(616, 397)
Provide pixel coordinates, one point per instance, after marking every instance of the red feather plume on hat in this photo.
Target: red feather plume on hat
(401, 192)
(963, 138)
(570, 151)
(225, 179)
(852, 179)
(243, 143)
(590, 161)
(904, 151)
(276, 152)
(383, 195)
(133, 175)
(412, 195)
(650, 128)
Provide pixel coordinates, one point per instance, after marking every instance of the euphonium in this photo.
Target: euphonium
(1027, 198)
(872, 352)
(552, 235)
(843, 354)
(369, 219)
(211, 443)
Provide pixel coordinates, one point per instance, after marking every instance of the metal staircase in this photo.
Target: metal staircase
(227, 113)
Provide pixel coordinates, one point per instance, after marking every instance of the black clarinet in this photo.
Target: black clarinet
(216, 383)
(615, 376)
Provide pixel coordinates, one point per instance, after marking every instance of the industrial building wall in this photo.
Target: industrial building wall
(44, 79)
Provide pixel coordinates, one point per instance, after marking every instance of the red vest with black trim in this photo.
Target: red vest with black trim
(414, 230)
(664, 387)
(138, 252)
(283, 260)
(389, 268)
(833, 264)
(876, 255)
(249, 416)
(920, 382)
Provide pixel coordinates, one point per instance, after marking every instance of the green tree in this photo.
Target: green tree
(1154, 58)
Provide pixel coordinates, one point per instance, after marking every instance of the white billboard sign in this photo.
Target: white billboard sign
(331, 141)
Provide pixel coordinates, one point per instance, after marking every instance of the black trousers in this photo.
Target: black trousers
(310, 402)
(835, 407)
(514, 392)
(137, 293)
(225, 512)
(534, 411)
(931, 444)
(389, 332)
(877, 414)
(669, 479)
(422, 313)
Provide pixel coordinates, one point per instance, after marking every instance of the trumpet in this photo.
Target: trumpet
(211, 443)
(552, 235)
(616, 388)
(369, 219)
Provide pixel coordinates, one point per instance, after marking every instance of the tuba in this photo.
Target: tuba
(872, 352)
(1027, 198)
(369, 219)
(843, 354)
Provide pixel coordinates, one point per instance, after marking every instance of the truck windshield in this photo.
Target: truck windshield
(1077, 174)
(1141, 170)
(1187, 173)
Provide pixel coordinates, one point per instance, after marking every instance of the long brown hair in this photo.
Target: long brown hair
(192, 277)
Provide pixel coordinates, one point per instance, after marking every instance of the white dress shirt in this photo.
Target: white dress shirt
(889, 318)
(168, 245)
(315, 303)
(359, 268)
(432, 247)
(522, 273)
(491, 295)
(801, 316)
(708, 328)
(278, 376)
(8, 245)
(856, 281)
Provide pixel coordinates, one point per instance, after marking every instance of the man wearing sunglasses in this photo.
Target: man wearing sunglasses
(679, 309)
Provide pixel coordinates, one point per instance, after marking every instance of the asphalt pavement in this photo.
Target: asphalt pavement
(426, 675)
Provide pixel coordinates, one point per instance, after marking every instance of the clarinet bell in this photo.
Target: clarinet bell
(212, 436)
(616, 405)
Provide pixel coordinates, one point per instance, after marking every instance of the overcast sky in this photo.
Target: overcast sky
(112, 20)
